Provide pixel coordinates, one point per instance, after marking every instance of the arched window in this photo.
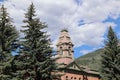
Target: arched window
(74, 78)
(79, 78)
(60, 47)
(66, 77)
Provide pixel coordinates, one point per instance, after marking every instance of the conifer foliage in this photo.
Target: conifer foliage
(35, 56)
(110, 69)
(8, 38)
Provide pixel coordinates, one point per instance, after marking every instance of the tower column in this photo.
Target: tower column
(64, 48)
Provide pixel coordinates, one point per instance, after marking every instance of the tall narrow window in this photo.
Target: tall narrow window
(74, 78)
(79, 78)
(66, 77)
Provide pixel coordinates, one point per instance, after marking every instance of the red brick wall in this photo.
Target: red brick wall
(71, 76)
(64, 60)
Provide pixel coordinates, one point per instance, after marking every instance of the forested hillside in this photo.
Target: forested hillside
(92, 60)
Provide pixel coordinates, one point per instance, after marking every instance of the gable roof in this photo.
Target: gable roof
(74, 66)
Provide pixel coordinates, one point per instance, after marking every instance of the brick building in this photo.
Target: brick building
(69, 68)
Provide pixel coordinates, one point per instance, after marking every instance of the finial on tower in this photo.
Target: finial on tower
(64, 30)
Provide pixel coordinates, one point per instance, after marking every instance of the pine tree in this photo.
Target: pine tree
(110, 69)
(8, 38)
(35, 57)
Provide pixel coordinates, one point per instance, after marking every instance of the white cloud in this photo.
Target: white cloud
(84, 20)
(85, 51)
(91, 34)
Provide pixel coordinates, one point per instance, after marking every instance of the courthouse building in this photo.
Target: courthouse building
(69, 69)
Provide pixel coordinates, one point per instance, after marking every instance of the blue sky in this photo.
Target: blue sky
(86, 20)
(91, 48)
(1, 0)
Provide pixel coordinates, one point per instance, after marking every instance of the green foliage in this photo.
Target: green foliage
(34, 61)
(110, 63)
(8, 38)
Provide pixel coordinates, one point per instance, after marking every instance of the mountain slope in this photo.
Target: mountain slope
(91, 60)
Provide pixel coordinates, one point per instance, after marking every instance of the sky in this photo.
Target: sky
(86, 20)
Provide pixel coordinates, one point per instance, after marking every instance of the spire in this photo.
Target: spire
(64, 48)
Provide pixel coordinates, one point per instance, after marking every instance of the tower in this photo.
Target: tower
(64, 48)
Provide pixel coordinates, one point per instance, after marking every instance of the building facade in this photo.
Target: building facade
(69, 69)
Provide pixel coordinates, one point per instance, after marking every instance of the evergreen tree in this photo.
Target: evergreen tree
(8, 38)
(35, 62)
(110, 69)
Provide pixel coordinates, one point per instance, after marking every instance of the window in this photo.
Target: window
(66, 77)
(61, 37)
(74, 78)
(79, 78)
(68, 37)
(60, 47)
(74, 66)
